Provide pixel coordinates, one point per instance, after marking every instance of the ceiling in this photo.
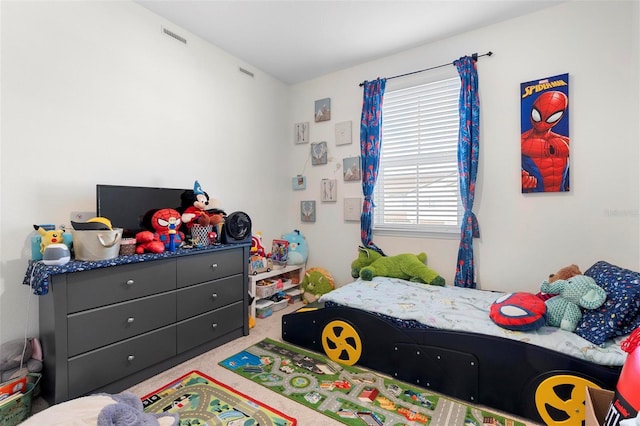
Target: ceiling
(298, 40)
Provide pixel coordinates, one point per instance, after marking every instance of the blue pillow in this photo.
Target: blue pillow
(620, 313)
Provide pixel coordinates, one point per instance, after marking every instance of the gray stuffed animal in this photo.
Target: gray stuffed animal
(15, 358)
(564, 310)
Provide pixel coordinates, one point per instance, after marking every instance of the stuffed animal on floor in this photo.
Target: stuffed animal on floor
(16, 359)
(564, 310)
(315, 283)
(406, 266)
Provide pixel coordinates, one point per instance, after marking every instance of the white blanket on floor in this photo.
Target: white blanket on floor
(123, 409)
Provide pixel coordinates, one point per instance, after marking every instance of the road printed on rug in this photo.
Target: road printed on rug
(350, 394)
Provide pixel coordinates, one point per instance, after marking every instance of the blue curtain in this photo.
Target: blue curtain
(370, 144)
(468, 152)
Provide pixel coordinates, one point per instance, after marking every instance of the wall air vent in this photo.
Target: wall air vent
(247, 72)
(174, 35)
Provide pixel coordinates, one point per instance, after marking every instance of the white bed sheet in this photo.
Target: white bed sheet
(462, 309)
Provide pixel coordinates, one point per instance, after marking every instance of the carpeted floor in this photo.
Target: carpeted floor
(208, 364)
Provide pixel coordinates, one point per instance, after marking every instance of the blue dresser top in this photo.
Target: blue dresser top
(37, 275)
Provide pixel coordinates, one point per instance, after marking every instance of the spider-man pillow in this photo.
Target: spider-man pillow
(518, 311)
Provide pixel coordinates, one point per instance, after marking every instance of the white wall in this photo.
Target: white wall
(93, 92)
(524, 238)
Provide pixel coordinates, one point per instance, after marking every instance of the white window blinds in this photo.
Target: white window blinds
(417, 187)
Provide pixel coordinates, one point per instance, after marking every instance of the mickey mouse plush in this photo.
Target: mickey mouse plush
(193, 205)
(198, 208)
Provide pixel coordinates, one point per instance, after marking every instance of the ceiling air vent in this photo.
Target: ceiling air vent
(247, 72)
(174, 35)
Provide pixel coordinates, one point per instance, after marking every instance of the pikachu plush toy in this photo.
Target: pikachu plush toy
(49, 237)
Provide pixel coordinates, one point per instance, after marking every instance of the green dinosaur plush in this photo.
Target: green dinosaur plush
(315, 283)
(564, 310)
(407, 266)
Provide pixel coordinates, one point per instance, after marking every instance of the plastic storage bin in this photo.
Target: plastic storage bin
(14, 412)
(281, 304)
(294, 294)
(263, 308)
(265, 288)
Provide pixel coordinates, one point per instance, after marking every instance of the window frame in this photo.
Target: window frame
(415, 230)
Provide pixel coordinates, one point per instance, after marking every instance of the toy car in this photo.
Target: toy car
(259, 264)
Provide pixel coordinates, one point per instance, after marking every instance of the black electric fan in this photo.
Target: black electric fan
(236, 228)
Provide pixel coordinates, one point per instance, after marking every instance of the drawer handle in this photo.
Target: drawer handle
(130, 358)
(214, 266)
(130, 282)
(130, 320)
(214, 325)
(214, 296)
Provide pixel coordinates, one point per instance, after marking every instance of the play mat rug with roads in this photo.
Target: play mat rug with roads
(203, 401)
(350, 394)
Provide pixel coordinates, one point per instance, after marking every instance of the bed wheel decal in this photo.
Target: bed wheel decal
(341, 342)
(546, 397)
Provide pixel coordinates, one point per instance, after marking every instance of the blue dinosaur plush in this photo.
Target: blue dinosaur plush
(579, 292)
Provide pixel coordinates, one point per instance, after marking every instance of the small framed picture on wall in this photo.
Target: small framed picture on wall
(308, 211)
(301, 133)
(352, 209)
(319, 153)
(323, 110)
(343, 133)
(329, 190)
(298, 183)
(351, 169)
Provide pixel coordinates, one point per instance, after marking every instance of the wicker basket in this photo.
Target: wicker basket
(265, 290)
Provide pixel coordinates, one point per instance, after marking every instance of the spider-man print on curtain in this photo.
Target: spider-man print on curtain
(468, 152)
(370, 144)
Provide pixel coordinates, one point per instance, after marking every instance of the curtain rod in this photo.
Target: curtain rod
(475, 57)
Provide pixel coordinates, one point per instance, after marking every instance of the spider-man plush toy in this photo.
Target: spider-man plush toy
(166, 236)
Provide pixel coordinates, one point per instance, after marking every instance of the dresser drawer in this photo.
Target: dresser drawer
(98, 368)
(105, 286)
(108, 324)
(200, 268)
(209, 326)
(201, 298)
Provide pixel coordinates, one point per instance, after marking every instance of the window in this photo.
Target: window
(417, 188)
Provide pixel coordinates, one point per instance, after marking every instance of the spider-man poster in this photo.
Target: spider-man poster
(544, 140)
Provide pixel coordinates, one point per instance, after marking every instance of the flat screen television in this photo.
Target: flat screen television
(125, 206)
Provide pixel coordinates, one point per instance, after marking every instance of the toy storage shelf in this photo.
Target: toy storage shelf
(275, 273)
